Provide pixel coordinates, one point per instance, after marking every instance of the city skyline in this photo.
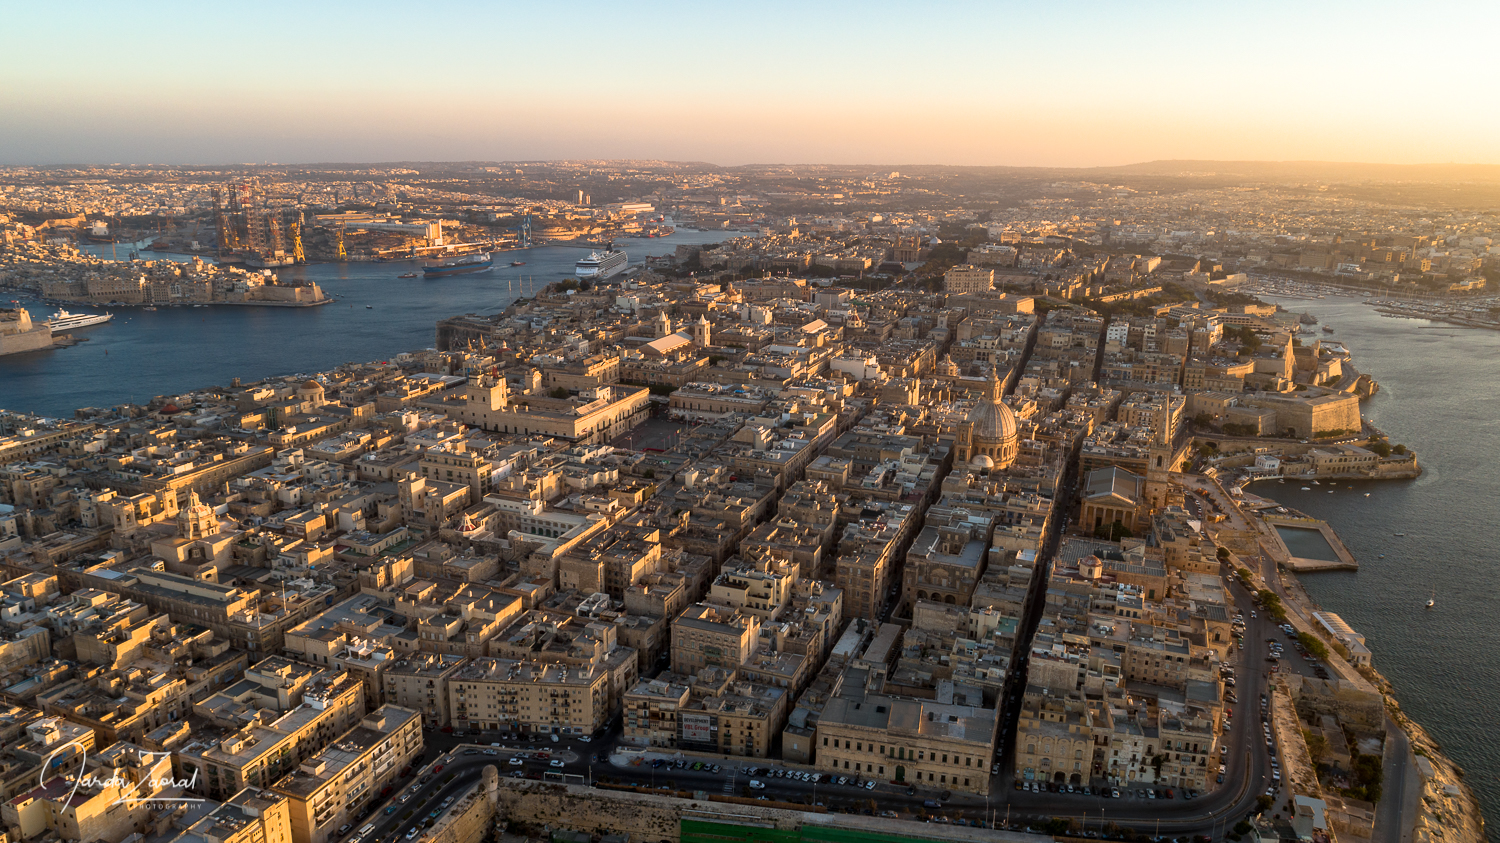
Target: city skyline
(963, 84)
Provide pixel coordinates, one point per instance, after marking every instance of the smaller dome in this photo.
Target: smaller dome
(982, 461)
(170, 409)
(312, 385)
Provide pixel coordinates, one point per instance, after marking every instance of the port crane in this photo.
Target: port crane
(296, 232)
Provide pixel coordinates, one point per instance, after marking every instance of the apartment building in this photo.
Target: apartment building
(420, 683)
(258, 753)
(651, 712)
(112, 804)
(709, 635)
(740, 718)
(529, 697)
(336, 785)
(251, 816)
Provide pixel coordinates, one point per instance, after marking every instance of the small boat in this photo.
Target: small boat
(369, 307)
(407, 275)
(1307, 488)
(150, 308)
(1400, 535)
(1367, 494)
(518, 263)
(1432, 601)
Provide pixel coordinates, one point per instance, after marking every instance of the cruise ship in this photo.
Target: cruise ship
(459, 266)
(601, 265)
(64, 321)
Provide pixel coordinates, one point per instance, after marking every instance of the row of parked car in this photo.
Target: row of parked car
(1106, 792)
(699, 766)
(803, 776)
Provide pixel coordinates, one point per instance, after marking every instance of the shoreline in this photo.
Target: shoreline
(1434, 826)
(1445, 786)
(105, 305)
(1456, 817)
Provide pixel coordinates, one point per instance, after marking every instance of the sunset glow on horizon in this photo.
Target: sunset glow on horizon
(1086, 84)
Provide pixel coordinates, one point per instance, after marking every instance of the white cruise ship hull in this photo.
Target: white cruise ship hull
(600, 266)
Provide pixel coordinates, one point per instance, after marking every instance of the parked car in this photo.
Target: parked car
(757, 785)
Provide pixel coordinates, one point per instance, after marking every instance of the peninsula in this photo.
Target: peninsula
(890, 522)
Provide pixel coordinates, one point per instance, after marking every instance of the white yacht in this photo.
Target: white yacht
(63, 321)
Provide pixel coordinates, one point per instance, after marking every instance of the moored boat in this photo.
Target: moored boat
(65, 321)
(480, 262)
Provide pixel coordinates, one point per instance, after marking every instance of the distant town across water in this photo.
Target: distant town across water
(375, 314)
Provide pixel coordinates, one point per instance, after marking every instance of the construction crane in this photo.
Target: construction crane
(227, 240)
(296, 231)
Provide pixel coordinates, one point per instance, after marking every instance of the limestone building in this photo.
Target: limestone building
(331, 788)
(968, 279)
(945, 743)
(528, 697)
(597, 415)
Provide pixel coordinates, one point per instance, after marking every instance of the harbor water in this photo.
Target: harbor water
(375, 315)
(1423, 538)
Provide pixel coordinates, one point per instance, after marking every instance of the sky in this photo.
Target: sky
(1070, 84)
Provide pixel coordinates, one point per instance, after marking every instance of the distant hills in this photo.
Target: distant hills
(1303, 171)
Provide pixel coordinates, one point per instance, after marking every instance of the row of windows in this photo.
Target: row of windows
(904, 753)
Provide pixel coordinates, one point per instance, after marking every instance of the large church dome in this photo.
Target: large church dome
(991, 429)
(992, 421)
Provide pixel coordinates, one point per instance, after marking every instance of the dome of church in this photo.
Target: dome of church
(311, 385)
(993, 422)
(990, 432)
(982, 461)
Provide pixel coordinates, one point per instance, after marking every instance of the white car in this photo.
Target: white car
(516, 762)
(756, 784)
(870, 785)
(556, 762)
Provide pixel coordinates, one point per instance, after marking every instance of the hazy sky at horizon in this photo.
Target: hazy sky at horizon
(1000, 83)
